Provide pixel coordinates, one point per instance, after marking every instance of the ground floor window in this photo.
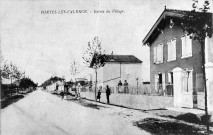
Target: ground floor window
(160, 82)
(170, 78)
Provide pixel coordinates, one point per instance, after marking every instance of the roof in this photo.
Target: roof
(55, 78)
(122, 58)
(166, 13)
(118, 58)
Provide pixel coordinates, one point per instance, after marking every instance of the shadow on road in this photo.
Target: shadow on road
(91, 105)
(159, 126)
(10, 100)
(81, 101)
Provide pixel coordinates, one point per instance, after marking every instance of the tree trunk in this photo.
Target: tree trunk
(95, 83)
(204, 78)
(204, 75)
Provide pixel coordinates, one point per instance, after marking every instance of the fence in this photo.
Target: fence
(147, 89)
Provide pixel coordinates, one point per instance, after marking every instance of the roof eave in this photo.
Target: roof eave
(162, 16)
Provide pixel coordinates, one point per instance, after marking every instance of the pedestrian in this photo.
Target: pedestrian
(119, 86)
(78, 90)
(126, 86)
(120, 83)
(62, 95)
(107, 93)
(99, 95)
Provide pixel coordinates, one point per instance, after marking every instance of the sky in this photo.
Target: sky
(43, 45)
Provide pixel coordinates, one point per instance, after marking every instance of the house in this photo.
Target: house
(119, 67)
(175, 62)
(54, 84)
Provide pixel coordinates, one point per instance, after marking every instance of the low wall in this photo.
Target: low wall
(143, 102)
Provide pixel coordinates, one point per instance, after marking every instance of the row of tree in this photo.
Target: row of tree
(17, 77)
(11, 72)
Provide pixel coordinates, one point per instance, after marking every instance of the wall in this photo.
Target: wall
(191, 62)
(134, 101)
(146, 63)
(209, 49)
(111, 73)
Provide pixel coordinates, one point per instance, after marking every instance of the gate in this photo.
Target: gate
(183, 87)
(187, 89)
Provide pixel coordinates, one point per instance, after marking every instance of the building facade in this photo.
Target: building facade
(119, 68)
(175, 61)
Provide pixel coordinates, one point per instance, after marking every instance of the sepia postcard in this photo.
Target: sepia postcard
(106, 67)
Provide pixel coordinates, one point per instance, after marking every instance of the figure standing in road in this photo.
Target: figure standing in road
(78, 90)
(120, 83)
(119, 86)
(126, 86)
(99, 95)
(107, 93)
(62, 95)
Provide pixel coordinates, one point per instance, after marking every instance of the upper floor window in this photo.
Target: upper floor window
(186, 46)
(171, 50)
(158, 54)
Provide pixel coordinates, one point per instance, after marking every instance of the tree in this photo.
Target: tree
(94, 57)
(26, 83)
(198, 24)
(11, 71)
(74, 68)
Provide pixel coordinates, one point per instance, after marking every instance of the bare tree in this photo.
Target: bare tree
(198, 24)
(75, 68)
(94, 57)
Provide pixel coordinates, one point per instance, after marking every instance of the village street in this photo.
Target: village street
(43, 113)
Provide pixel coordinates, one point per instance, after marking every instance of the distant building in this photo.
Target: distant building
(54, 84)
(119, 67)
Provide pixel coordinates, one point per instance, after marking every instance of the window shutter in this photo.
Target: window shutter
(163, 81)
(156, 82)
(160, 53)
(169, 50)
(169, 78)
(155, 54)
(183, 46)
(189, 46)
(173, 49)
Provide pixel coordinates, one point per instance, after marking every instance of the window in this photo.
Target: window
(158, 54)
(170, 77)
(186, 46)
(160, 81)
(171, 50)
